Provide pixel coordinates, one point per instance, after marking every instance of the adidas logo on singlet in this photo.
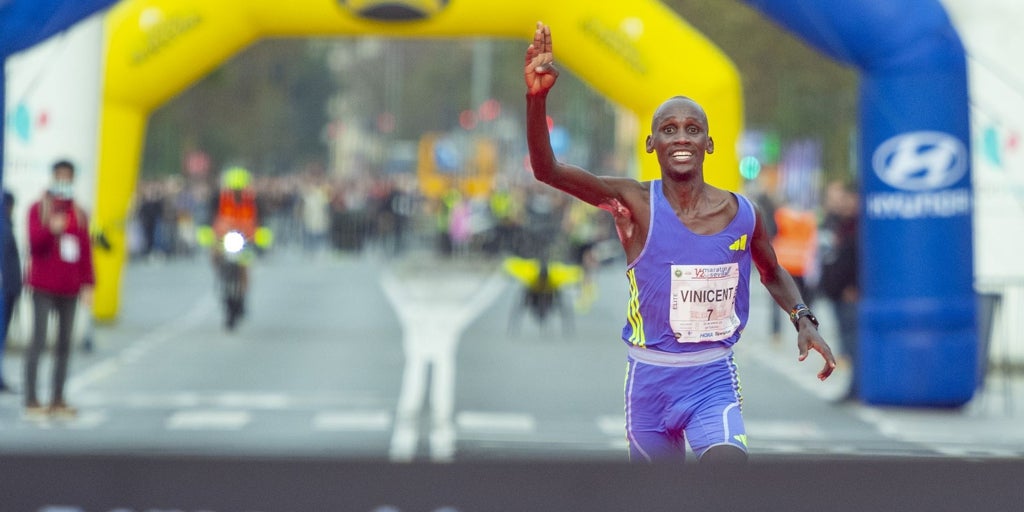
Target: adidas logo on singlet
(740, 244)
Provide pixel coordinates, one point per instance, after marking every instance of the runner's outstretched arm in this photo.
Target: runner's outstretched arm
(783, 289)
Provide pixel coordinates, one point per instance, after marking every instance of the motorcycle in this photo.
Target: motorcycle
(233, 259)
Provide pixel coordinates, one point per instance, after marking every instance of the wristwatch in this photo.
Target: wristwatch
(799, 311)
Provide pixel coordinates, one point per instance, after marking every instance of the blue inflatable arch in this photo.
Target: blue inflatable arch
(918, 335)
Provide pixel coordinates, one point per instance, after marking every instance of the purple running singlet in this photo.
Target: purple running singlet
(689, 292)
(689, 298)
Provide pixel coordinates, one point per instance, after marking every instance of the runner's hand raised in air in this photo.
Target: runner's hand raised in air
(540, 72)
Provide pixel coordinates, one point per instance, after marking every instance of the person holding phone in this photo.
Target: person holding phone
(59, 272)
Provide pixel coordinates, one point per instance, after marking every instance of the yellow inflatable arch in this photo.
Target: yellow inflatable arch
(636, 53)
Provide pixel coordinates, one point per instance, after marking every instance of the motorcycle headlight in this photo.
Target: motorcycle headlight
(233, 242)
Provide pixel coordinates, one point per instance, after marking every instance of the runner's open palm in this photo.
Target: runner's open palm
(540, 72)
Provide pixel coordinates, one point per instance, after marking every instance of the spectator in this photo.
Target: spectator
(315, 215)
(839, 269)
(59, 270)
(795, 247)
(11, 278)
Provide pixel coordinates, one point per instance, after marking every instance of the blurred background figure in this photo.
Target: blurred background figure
(584, 229)
(238, 217)
(59, 270)
(10, 277)
(543, 286)
(151, 211)
(444, 206)
(544, 211)
(839, 268)
(236, 207)
(315, 209)
(795, 244)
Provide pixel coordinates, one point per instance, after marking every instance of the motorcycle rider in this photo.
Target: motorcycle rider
(236, 205)
(235, 210)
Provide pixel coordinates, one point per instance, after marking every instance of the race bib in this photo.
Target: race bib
(69, 249)
(703, 303)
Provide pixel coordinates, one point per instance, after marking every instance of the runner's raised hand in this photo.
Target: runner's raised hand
(540, 72)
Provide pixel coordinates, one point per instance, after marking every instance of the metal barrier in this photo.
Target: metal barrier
(999, 300)
(1000, 335)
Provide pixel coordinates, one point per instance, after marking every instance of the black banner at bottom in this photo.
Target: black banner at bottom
(136, 483)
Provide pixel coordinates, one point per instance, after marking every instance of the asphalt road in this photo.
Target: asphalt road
(419, 359)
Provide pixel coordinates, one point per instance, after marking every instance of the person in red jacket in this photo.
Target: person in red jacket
(59, 270)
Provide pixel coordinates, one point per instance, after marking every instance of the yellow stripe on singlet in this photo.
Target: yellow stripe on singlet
(636, 320)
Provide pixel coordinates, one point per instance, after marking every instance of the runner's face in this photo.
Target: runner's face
(679, 137)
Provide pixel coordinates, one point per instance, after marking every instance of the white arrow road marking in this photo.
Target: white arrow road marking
(434, 307)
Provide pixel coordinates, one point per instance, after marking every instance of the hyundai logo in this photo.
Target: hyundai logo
(918, 161)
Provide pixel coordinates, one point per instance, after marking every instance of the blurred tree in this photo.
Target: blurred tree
(265, 108)
(788, 86)
(426, 84)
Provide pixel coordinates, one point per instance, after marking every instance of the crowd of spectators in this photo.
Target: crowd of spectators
(321, 214)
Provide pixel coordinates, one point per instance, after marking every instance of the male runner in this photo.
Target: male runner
(688, 249)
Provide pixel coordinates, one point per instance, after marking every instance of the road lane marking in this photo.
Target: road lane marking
(800, 373)
(154, 338)
(613, 425)
(403, 440)
(767, 429)
(206, 419)
(945, 432)
(88, 420)
(496, 422)
(975, 451)
(351, 421)
(190, 399)
(249, 400)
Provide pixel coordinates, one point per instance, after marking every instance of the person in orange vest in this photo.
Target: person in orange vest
(235, 210)
(795, 244)
(236, 205)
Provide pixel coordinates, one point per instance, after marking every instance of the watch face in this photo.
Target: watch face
(814, 319)
(804, 313)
